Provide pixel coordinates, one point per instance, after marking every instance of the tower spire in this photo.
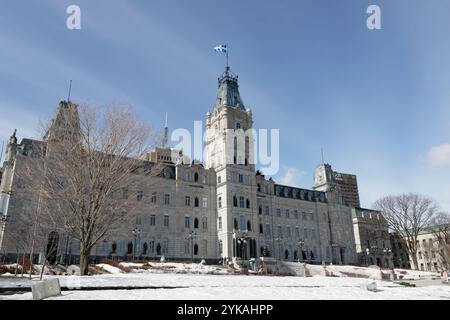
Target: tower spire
(166, 133)
(70, 91)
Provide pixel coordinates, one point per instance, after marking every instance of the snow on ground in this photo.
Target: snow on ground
(225, 287)
(202, 282)
(109, 268)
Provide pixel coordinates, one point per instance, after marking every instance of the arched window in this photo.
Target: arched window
(235, 151)
(286, 254)
(261, 229)
(295, 255)
(236, 226)
(260, 210)
(158, 249)
(196, 177)
(196, 204)
(114, 248)
(259, 187)
(144, 248)
(247, 203)
(196, 223)
(195, 249)
(130, 248)
(235, 201)
(249, 225)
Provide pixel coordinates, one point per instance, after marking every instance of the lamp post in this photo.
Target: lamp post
(242, 241)
(300, 244)
(136, 234)
(367, 256)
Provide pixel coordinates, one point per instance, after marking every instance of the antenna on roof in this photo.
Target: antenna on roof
(70, 90)
(323, 161)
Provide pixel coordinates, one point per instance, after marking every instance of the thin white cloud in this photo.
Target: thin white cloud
(291, 177)
(439, 156)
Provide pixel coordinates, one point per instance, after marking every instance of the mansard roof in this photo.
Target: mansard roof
(228, 94)
(299, 193)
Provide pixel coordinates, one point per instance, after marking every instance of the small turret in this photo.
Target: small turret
(11, 149)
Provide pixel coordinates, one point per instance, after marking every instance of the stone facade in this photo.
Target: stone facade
(224, 210)
(373, 244)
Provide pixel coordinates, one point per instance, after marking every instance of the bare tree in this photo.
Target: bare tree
(441, 234)
(408, 215)
(90, 162)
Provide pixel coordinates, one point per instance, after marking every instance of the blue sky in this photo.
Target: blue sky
(377, 102)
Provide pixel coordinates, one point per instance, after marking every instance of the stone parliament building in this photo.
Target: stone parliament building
(223, 210)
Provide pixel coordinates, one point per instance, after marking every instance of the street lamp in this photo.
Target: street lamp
(243, 242)
(136, 234)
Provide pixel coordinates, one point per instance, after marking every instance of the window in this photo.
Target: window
(241, 202)
(259, 187)
(287, 213)
(241, 178)
(220, 223)
(140, 195)
(220, 202)
(304, 216)
(313, 233)
(166, 221)
(187, 201)
(151, 246)
(196, 177)
(278, 212)
(196, 223)
(267, 210)
(236, 224)
(125, 193)
(268, 229)
(238, 125)
(153, 197)
(167, 199)
(280, 231)
(187, 222)
(196, 250)
(259, 210)
(296, 214)
(249, 225)
(138, 220)
(196, 202)
(305, 233)
(288, 231)
(152, 220)
(205, 202)
(219, 179)
(297, 232)
(235, 201)
(186, 176)
(242, 224)
(247, 203)
(261, 229)
(205, 223)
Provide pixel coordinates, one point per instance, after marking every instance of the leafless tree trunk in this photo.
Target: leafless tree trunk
(90, 161)
(408, 215)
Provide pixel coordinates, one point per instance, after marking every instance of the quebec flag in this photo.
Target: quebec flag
(221, 48)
